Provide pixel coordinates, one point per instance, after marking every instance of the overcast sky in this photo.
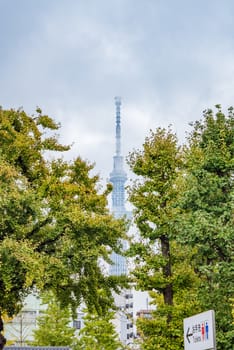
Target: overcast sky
(168, 60)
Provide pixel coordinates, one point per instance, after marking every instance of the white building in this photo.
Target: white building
(19, 330)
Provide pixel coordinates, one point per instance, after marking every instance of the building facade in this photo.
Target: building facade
(19, 330)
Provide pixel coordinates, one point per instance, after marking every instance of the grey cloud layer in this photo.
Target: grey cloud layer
(169, 60)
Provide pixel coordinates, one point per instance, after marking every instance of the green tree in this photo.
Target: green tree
(163, 266)
(98, 333)
(18, 211)
(54, 325)
(55, 229)
(207, 220)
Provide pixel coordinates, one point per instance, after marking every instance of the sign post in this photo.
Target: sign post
(199, 331)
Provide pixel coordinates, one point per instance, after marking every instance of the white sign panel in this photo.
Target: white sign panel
(199, 331)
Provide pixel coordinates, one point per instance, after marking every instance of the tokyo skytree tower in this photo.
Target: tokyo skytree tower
(118, 178)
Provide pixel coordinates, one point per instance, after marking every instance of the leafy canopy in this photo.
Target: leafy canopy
(207, 207)
(54, 324)
(55, 229)
(162, 266)
(98, 333)
(184, 211)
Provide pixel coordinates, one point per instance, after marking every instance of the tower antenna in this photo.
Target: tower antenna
(118, 127)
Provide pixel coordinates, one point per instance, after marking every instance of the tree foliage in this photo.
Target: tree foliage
(186, 197)
(20, 262)
(55, 229)
(162, 264)
(54, 324)
(98, 333)
(207, 214)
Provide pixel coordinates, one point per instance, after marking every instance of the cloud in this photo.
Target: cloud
(168, 60)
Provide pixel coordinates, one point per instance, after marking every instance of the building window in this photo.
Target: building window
(128, 296)
(77, 324)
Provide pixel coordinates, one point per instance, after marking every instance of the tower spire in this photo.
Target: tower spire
(118, 176)
(118, 127)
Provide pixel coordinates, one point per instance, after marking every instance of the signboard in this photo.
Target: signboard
(199, 331)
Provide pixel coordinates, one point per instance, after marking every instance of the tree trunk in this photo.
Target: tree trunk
(2, 338)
